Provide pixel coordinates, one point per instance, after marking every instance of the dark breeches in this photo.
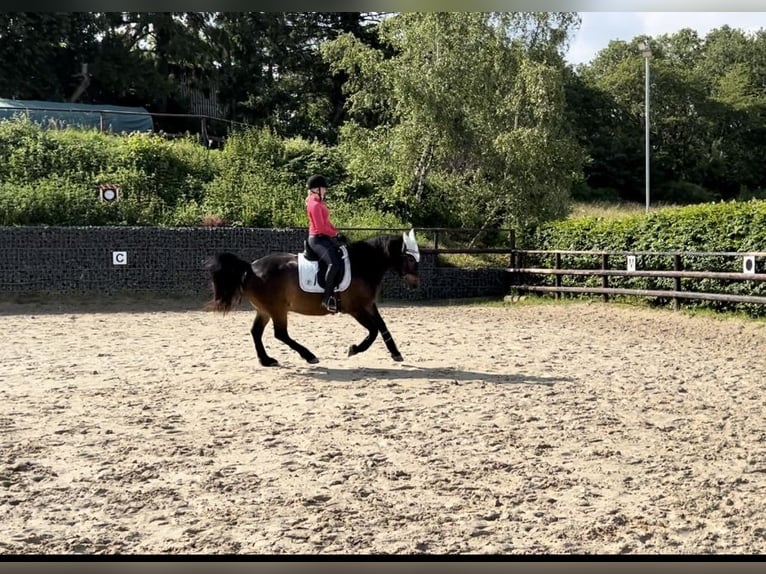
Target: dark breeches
(327, 250)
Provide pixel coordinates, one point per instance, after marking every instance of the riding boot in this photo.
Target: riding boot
(329, 301)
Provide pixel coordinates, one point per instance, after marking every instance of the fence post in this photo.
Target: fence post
(557, 277)
(605, 277)
(513, 258)
(513, 263)
(203, 132)
(677, 281)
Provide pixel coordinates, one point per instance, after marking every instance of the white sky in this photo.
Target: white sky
(598, 28)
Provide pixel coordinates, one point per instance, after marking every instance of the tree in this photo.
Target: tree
(272, 73)
(609, 132)
(265, 66)
(41, 53)
(707, 119)
(470, 110)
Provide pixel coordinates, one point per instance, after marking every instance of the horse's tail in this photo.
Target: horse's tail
(228, 274)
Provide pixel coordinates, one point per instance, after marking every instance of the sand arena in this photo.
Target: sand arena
(137, 427)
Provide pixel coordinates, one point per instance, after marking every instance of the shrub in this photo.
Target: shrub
(714, 227)
(150, 169)
(51, 177)
(54, 200)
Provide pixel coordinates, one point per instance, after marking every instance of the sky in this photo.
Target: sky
(598, 28)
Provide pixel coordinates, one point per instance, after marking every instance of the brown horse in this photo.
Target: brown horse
(272, 286)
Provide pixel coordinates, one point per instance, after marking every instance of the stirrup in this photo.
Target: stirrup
(330, 304)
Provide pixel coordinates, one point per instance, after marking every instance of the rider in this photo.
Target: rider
(323, 237)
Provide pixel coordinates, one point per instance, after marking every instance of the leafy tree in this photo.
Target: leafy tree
(707, 115)
(271, 71)
(470, 106)
(40, 53)
(264, 65)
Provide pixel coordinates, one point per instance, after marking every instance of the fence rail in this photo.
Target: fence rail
(521, 274)
(80, 257)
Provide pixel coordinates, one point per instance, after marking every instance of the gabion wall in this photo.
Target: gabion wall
(89, 260)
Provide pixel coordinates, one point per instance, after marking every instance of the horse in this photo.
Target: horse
(274, 287)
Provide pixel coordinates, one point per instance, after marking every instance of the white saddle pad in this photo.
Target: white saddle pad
(308, 271)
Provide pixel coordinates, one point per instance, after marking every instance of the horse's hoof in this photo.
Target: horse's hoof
(270, 363)
(351, 351)
(312, 360)
(397, 358)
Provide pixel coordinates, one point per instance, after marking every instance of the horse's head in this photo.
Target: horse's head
(408, 260)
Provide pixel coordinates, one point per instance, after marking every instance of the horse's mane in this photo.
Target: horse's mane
(371, 257)
(380, 244)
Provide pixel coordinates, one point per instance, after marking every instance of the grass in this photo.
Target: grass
(474, 260)
(608, 209)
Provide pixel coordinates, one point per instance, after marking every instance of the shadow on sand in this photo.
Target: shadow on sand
(77, 304)
(445, 374)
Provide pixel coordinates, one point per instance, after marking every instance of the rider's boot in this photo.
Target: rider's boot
(329, 301)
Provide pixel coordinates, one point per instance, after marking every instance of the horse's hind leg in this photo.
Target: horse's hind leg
(259, 324)
(280, 332)
(367, 320)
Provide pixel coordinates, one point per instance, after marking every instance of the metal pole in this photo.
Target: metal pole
(646, 124)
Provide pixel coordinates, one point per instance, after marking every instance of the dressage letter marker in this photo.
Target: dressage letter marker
(119, 257)
(631, 262)
(748, 264)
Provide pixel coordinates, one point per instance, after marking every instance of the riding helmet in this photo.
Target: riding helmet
(316, 181)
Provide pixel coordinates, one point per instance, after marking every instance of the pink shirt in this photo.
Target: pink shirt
(319, 217)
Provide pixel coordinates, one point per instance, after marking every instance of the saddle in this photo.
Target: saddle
(312, 271)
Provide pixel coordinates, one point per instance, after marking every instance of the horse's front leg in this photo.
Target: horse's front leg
(367, 320)
(387, 338)
(280, 332)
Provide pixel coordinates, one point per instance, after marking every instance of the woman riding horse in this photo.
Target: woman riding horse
(323, 237)
(271, 285)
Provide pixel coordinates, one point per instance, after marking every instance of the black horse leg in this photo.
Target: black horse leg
(280, 332)
(387, 338)
(259, 324)
(367, 321)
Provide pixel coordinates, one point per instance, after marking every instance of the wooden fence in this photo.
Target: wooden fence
(635, 264)
(524, 277)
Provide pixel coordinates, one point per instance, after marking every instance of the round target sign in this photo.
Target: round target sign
(109, 192)
(748, 264)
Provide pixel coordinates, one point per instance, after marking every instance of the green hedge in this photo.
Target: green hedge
(714, 227)
(51, 177)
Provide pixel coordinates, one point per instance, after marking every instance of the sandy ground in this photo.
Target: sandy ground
(582, 428)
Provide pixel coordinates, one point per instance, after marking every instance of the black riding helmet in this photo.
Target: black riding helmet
(316, 181)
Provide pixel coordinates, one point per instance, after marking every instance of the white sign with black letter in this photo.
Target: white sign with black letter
(631, 263)
(119, 257)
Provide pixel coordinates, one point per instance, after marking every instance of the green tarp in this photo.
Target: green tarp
(64, 114)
